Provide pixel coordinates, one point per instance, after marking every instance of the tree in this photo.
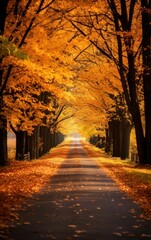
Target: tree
(119, 127)
(124, 23)
(22, 34)
(94, 85)
(102, 40)
(113, 33)
(3, 121)
(146, 51)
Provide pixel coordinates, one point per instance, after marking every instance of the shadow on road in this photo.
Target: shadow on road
(80, 202)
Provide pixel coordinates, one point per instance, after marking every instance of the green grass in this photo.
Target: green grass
(141, 172)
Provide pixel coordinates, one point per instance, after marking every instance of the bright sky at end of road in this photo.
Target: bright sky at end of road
(75, 137)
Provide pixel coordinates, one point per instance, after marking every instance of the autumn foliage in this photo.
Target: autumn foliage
(80, 64)
(22, 180)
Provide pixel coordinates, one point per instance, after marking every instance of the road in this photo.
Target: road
(82, 203)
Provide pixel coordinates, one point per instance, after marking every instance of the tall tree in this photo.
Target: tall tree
(146, 48)
(17, 32)
(113, 33)
(3, 120)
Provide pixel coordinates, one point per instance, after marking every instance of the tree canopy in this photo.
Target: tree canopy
(74, 66)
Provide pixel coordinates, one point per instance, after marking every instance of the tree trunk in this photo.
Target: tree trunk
(135, 110)
(3, 120)
(3, 142)
(116, 135)
(37, 142)
(45, 139)
(20, 145)
(146, 44)
(123, 23)
(41, 141)
(32, 144)
(3, 14)
(108, 139)
(102, 142)
(125, 143)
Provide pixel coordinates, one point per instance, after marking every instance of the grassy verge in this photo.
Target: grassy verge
(133, 179)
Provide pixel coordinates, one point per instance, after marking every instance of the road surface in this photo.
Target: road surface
(83, 203)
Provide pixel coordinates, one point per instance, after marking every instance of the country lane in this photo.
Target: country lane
(82, 203)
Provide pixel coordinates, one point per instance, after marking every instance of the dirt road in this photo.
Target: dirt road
(81, 202)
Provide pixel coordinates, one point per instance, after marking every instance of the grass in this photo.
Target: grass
(141, 172)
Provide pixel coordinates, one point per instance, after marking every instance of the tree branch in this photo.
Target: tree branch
(91, 41)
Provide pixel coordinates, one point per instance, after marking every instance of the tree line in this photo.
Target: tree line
(92, 64)
(114, 33)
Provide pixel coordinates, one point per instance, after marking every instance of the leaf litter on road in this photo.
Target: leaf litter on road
(22, 179)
